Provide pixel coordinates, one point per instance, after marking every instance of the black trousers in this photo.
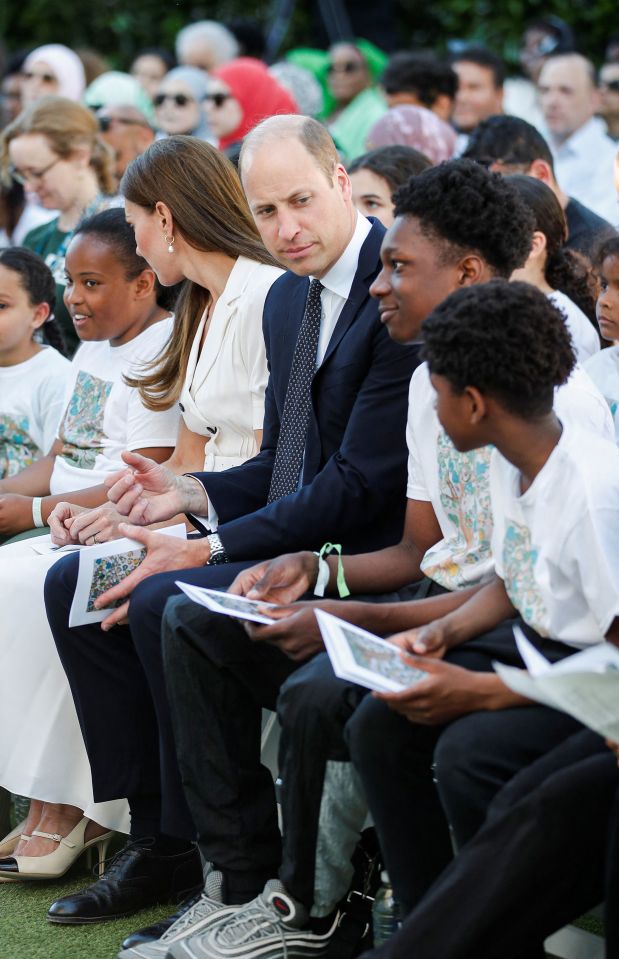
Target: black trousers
(537, 863)
(218, 681)
(117, 683)
(471, 758)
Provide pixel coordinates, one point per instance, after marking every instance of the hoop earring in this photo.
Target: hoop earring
(170, 241)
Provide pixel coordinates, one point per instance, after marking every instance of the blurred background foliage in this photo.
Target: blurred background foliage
(118, 28)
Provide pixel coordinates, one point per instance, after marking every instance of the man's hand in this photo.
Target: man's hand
(15, 513)
(163, 553)
(280, 580)
(430, 640)
(147, 492)
(296, 633)
(447, 693)
(614, 747)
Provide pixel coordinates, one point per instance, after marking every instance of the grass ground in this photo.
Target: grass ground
(25, 932)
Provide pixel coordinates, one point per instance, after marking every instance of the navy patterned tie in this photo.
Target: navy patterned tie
(295, 418)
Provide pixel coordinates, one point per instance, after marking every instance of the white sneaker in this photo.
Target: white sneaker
(272, 926)
(208, 909)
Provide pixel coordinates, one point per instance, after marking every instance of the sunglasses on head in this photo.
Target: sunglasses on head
(180, 99)
(351, 66)
(612, 85)
(45, 77)
(218, 99)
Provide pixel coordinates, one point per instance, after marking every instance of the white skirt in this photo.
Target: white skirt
(42, 752)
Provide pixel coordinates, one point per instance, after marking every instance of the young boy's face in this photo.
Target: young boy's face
(414, 278)
(607, 307)
(456, 415)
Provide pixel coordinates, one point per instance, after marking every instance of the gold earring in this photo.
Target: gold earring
(170, 241)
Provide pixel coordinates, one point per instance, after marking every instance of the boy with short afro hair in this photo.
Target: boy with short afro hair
(496, 353)
(466, 207)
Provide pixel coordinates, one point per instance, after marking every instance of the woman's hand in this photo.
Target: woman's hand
(60, 520)
(98, 525)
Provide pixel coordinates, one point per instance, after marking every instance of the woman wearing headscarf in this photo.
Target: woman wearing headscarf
(52, 69)
(414, 127)
(240, 94)
(352, 71)
(179, 103)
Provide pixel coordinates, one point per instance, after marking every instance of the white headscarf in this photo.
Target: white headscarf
(64, 64)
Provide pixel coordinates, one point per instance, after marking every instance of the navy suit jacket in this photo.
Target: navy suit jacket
(354, 473)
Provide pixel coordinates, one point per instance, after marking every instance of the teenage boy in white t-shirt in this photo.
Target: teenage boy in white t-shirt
(555, 502)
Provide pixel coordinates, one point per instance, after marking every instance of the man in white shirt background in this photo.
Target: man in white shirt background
(584, 154)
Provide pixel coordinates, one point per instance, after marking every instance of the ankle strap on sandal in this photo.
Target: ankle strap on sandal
(55, 836)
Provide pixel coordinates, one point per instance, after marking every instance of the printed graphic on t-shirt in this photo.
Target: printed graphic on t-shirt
(17, 448)
(464, 489)
(81, 430)
(519, 559)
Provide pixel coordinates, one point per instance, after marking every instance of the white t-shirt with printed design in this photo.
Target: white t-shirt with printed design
(31, 401)
(457, 484)
(103, 416)
(556, 546)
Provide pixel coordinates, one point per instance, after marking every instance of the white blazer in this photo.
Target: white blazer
(223, 394)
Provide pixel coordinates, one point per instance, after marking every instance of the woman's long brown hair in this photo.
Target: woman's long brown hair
(204, 194)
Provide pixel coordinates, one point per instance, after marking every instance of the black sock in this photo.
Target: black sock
(242, 887)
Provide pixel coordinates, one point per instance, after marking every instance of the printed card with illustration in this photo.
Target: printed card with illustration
(363, 658)
(105, 565)
(237, 606)
(585, 685)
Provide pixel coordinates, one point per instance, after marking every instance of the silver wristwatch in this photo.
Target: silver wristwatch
(218, 552)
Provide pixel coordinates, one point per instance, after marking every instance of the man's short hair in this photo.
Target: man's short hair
(506, 339)
(467, 208)
(309, 132)
(419, 73)
(510, 141)
(483, 58)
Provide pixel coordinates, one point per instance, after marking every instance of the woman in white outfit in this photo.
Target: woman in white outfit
(214, 368)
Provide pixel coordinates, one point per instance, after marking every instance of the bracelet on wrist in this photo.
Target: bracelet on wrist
(342, 588)
(37, 516)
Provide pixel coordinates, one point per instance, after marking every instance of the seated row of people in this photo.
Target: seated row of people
(486, 538)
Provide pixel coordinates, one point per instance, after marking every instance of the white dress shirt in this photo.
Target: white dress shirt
(585, 169)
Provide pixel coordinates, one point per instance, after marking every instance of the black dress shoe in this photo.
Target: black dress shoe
(138, 876)
(154, 932)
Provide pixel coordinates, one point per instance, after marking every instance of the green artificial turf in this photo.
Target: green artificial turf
(25, 932)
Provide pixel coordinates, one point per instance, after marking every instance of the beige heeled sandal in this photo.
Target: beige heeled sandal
(58, 862)
(8, 844)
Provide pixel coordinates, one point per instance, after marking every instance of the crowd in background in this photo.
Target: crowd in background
(156, 321)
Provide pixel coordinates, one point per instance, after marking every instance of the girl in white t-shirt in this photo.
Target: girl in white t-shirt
(603, 368)
(32, 376)
(112, 297)
(111, 294)
(561, 274)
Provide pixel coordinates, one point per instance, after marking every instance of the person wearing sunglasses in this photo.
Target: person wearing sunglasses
(240, 94)
(352, 71)
(127, 131)
(609, 98)
(52, 69)
(53, 148)
(179, 103)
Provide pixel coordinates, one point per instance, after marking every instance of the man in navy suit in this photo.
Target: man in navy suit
(349, 443)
